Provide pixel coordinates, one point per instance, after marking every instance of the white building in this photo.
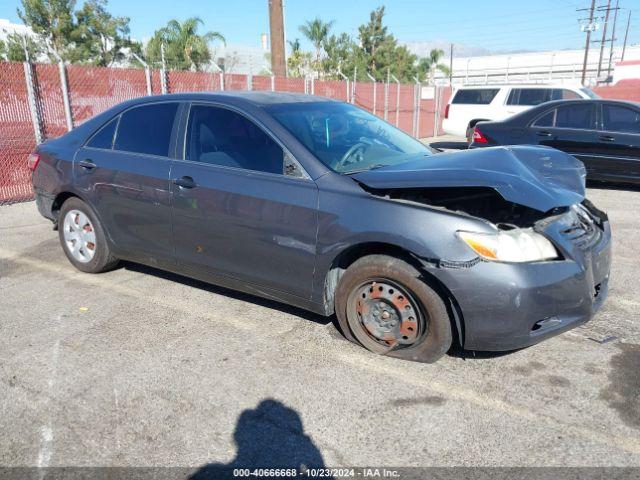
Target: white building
(557, 66)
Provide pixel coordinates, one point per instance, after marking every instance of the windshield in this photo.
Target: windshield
(590, 93)
(346, 138)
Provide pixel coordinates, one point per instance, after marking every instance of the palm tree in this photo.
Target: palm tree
(316, 32)
(294, 44)
(184, 41)
(430, 64)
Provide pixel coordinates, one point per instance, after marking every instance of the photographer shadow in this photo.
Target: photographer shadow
(269, 436)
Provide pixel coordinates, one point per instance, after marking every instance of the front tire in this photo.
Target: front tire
(384, 304)
(82, 238)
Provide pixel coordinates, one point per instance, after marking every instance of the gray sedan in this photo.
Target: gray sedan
(319, 204)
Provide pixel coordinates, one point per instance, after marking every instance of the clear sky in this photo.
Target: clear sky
(496, 25)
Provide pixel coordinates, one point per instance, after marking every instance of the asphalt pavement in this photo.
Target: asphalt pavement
(138, 367)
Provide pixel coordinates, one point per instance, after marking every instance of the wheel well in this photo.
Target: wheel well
(350, 255)
(59, 200)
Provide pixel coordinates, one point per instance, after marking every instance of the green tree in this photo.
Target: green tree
(294, 44)
(316, 31)
(381, 52)
(428, 65)
(13, 48)
(372, 36)
(185, 48)
(341, 53)
(52, 20)
(99, 37)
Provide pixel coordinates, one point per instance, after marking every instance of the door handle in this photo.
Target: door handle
(87, 164)
(607, 138)
(543, 133)
(184, 182)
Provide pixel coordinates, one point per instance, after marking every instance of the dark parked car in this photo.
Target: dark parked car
(604, 134)
(318, 204)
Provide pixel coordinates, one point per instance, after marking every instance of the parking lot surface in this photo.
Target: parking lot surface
(137, 367)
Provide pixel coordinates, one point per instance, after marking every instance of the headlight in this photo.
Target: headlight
(517, 245)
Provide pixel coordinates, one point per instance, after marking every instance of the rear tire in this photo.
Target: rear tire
(82, 238)
(384, 304)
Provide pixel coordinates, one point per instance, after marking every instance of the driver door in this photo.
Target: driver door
(242, 208)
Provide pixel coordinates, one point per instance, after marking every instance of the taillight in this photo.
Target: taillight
(32, 161)
(446, 111)
(478, 136)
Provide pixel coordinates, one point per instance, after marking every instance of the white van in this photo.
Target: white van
(471, 104)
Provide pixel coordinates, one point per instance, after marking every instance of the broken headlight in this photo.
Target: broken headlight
(517, 245)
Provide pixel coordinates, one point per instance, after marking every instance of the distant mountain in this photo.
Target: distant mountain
(422, 49)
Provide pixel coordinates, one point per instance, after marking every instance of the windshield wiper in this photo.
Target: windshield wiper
(373, 167)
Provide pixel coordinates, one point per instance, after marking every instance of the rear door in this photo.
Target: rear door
(242, 207)
(619, 142)
(470, 104)
(570, 128)
(521, 99)
(123, 172)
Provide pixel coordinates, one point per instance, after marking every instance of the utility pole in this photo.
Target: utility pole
(626, 35)
(613, 37)
(586, 46)
(276, 27)
(604, 37)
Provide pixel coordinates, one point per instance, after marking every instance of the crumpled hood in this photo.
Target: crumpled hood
(541, 178)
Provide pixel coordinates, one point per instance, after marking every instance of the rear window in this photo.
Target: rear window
(576, 116)
(536, 96)
(146, 129)
(104, 137)
(475, 96)
(620, 119)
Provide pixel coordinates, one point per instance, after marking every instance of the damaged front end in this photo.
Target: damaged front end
(511, 190)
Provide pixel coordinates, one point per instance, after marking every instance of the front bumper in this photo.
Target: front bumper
(510, 306)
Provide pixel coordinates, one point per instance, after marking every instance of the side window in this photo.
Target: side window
(569, 95)
(146, 129)
(620, 119)
(546, 120)
(104, 137)
(529, 96)
(576, 116)
(475, 96)
(219, 136)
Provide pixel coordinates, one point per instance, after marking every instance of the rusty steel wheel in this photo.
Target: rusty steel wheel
(387, 306)
(388, 315)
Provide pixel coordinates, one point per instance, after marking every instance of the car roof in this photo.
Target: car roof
(581, 101)
(255, 98)
(521, 85)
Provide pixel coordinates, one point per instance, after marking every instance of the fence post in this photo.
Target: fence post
(416, 107)
(147, 72)
(313, 85)
(65, 95)
(395, 79)
(273, 83)
(346, 79)
(33, 104)
(436, 103)
(222, 81)
(353, 85)
(250, 82)
(374, 91)
(386, 95)
(163, 72)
